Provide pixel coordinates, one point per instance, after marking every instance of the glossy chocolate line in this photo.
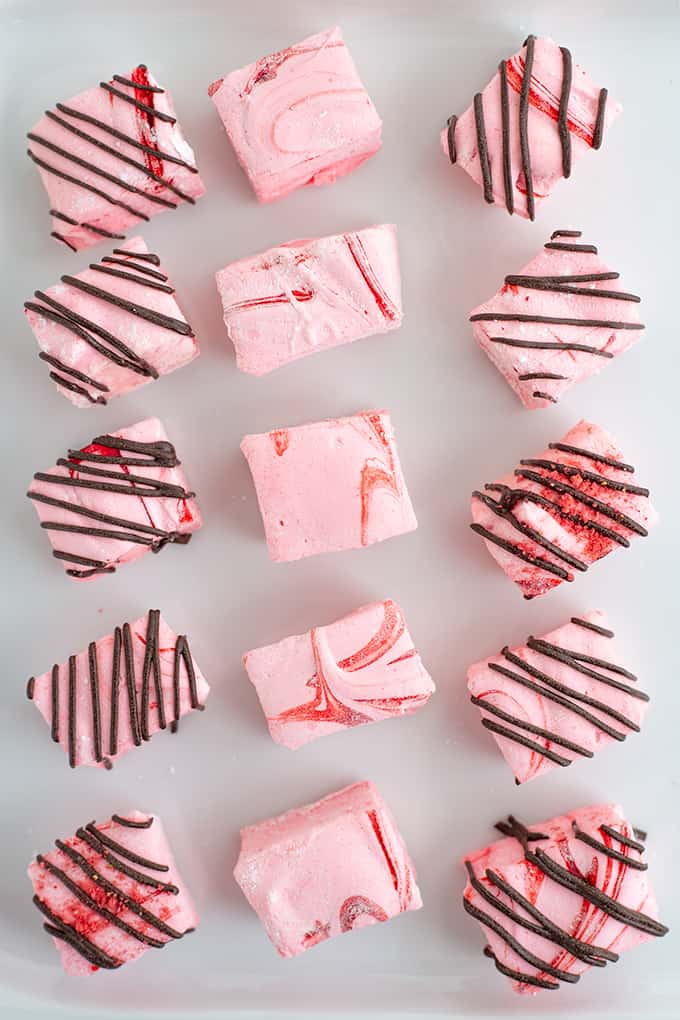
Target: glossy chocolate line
(159, 489)
(129, 823)
(133, 265)
(506, 514)
(75, 388)
(569, 470)
(122, 867)
(532, 745)
(580, 657)
(512, 496)
(524, 954)
(96, 706)
(505, 135)
(539, 731)
(588, 249)
(524, 125)
(571, 659)
(518, 975)
(165, 157)
(121, 536)
(552, 694)
(30, 688)
(592, 626)
(570, 692)
(162, 451)
(546, 345)
(131, 685)
(541, 395)
(512, 827)
(591, 455)
(85, 561)
(598, 131)
(152, 663)
(151, 110)
(135, 85)
(451, 136)
(122, 850)
(60, 929)
(482, 148)
(624, 840)
(563, 114)
(134, 279)
(163, 488)
(144, 256)
(536, 561)
(157, 318)
(60, 237)
(115, 692)
(82, 511)
(158, 178)
(82, 328)
(550, 283)
(602, 848)
(51, 360)
(92, 904)
(91, 573)
(72, 707)
(540, 375)
(48, 168)
(183, 654)
(578, 278)
(565, 233)
(553, 320)
(132, 905)
(581, 497)
(54, 726)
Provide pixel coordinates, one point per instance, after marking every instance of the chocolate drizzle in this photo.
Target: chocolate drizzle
(144, 107)
(598, 131)
(563, 115)
(587, 249)
(553, 320)
(72, 712)
(131, 824)
(157, 318)
(60, 929)
(451, 136)
(482, 148)
(96, 707)
(603, 631)
(48, 168)
(524, 125)
(505, 120)
(548, 345)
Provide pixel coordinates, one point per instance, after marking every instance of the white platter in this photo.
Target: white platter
(458, 424)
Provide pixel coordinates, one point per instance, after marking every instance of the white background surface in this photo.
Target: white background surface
(458, 425)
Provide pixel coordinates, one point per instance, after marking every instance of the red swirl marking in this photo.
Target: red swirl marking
(374, 476)
(267, 68)
(355, 907)
(542, 99)
(387, 307)
(281, 440)
(319, 933)
(146, 123)
(299, 295)
(391, 629)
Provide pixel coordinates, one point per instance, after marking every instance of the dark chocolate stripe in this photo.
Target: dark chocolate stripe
(506, 514)
(85, 186)
(144, 256)
(60, 237)
(624, 840)
(162, 488)
(505, 136)
(166, 157)
(571, 470)
(152, 663)
(581, 497)
(161, 452)
(532, 745)
(133, 265)
(482, 148)
(54, 727)
(121, 536)
(88, 226)
(540, 375)
(30, 688)
(158, 489)
(51, 360)
(608, 851)
(518, 975)
(588, 249)
(60, 929)
(131, 685)
(132, 278)
(183, 654)
(553, 320)
(157, 318)
(512, 827)
(72, 711)
(524, 125)
(130, 823)
(115, 692)
(598, 131)
(96, 706)
(451, 136)
(122, 867)
(85, 561)
(541, 395)
(122, 850)
(565, 233)
(590, 455)
(536, 561)
(563, 115)
(512, 496)
(552, 284)
(144, 107)
(82, 511)
(568, 656)
(539, 731)
(548, 345)
(136, 85)
(592, 626)
(75, 388)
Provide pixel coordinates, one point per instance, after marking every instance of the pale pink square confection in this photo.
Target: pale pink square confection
(112, 156)
(110, 892)
(559, 512)
(563, 317)
(299, 116)
(360, 669)
(561, 897)
(326, 868)
(119, 691)
(307, 296)
(111, 328)
(112, 501)
(557, 698)
(537, 116)
(329, 485)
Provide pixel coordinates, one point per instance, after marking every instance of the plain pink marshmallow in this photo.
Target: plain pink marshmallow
(307, 296)
(558, 698)
(562, 318)
(326, 868)
(127, 882)
(572, 894)
(329, 485)
(101, 345)
(96, 522)
(460, 140)
(299, 116)
(111, 157)
(359, 669)
(560, 512)
(104, 701)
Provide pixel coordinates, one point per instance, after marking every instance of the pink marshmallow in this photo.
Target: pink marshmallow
(308, 296)
(96, 519)
(101, 345)
(120, 691)
(111, 892)
(562, 511)
(562, 896)
(111, 157)
(299, 116)
(329, 485)
(326, 868)
(475, 140)
(561, 319)
(559, 698)
(360, 669)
